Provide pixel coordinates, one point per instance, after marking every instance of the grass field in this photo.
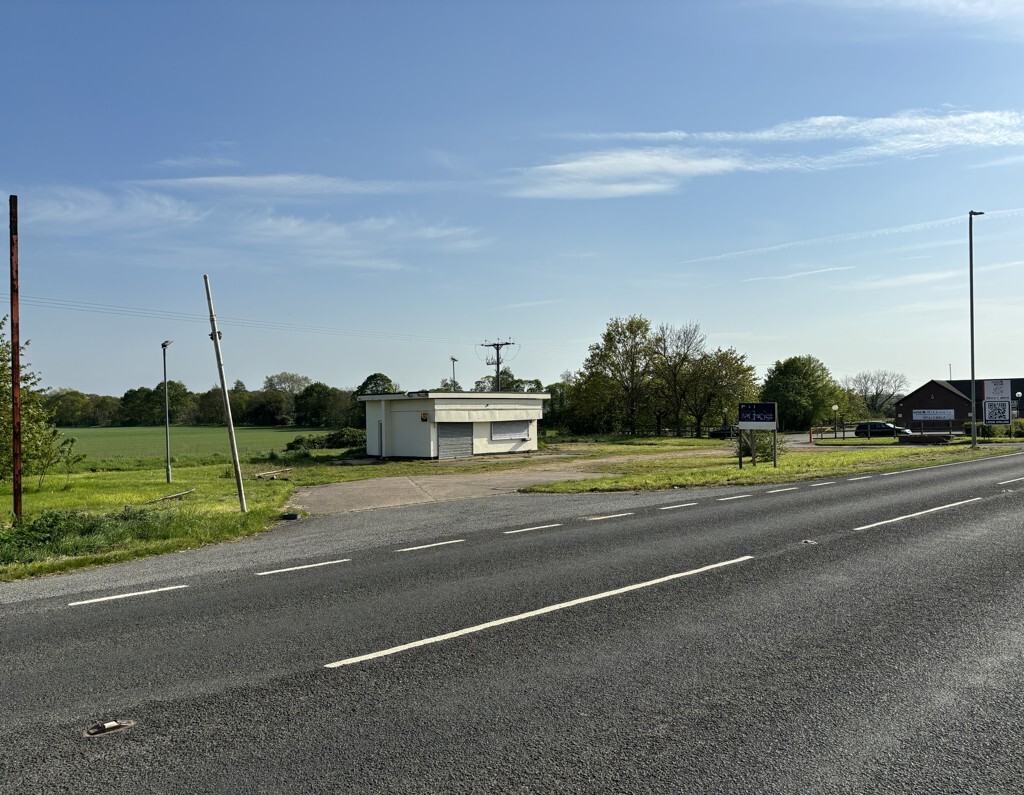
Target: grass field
(115, 505)
(186, 441)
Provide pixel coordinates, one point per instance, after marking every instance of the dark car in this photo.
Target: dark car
(881, 429)
(728, 432)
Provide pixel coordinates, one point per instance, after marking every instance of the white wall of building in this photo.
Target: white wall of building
(410, 422)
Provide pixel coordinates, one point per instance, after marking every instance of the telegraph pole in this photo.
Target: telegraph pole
(215, 336)
(15, 363)
(496, 360)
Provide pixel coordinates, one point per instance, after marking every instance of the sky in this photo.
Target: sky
(383, 186)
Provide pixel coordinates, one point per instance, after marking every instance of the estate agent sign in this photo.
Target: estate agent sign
(758, 417)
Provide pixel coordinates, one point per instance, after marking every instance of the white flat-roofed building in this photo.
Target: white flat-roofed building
(452, 424)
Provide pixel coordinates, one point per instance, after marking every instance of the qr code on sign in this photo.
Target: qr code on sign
(997, 412)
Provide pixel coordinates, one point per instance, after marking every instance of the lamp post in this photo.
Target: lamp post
(1018, 414)
(167, 410)
(974, 386)
(453, 371)
(835, 421)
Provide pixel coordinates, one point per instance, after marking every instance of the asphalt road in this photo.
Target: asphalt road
(854, 635)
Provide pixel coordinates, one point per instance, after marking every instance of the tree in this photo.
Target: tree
(289, 383)
(879, 389)
(509, 383)
(624, 357)
(375, 384)
(104, 409)
(69, 407)
(209, 408)
(714, 384)
(41, 442)
(267, 407)
(141, 407)
(675, 349)
(804, 390)
(448, 385)
(180, 402)
(321, 406)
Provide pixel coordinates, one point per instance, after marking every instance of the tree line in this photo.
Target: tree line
(637, 379)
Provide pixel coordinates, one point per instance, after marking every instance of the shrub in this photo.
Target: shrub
(762, 444)
(985, 431)
(335, 440)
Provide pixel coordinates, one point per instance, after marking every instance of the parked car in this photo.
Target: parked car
(727, 432)
(881, 429)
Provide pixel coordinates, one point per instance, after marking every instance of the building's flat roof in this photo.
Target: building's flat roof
(459, 395)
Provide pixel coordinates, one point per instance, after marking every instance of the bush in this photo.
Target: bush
(335, 440)
(985, 431)
(762, 444)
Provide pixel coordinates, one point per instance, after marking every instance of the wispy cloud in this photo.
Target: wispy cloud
(71, 210)
(662, 161)
(962, 10)
(531, 304)
(284, 185)
(853, 236)
(619, 173)
(377, 243)
(909, 280)
(800, 275)
(198, 161)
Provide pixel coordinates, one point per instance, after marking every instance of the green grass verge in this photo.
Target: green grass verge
(105, 515)
(657, 474)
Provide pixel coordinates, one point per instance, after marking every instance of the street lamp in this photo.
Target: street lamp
(167, 410)
(453, 371)
(835, 422)
(974, 386)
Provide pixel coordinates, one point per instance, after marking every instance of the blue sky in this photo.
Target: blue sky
(379, 186)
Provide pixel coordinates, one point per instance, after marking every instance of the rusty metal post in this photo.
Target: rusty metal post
(15, 363)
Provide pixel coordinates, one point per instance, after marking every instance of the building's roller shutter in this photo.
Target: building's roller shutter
(454, 439)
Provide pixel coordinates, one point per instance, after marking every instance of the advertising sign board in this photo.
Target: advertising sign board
(934, 414)
(997, 412)
(758, 417)
(998, 389)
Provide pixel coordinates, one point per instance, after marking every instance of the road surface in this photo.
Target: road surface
(857, 634)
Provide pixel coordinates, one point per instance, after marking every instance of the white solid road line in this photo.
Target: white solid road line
(528, 529)
(779, 491)
(126, 595)
(737, 497)
(428, 546)
(951, 464)
(826, 483)
(611, 516)
(919, 513)
(299, 568)
(531, 614)
(671, 507)
(1004, 482)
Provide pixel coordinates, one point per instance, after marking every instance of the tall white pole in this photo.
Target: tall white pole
(215, 336)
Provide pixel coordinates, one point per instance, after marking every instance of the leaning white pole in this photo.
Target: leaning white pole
(215, 336)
